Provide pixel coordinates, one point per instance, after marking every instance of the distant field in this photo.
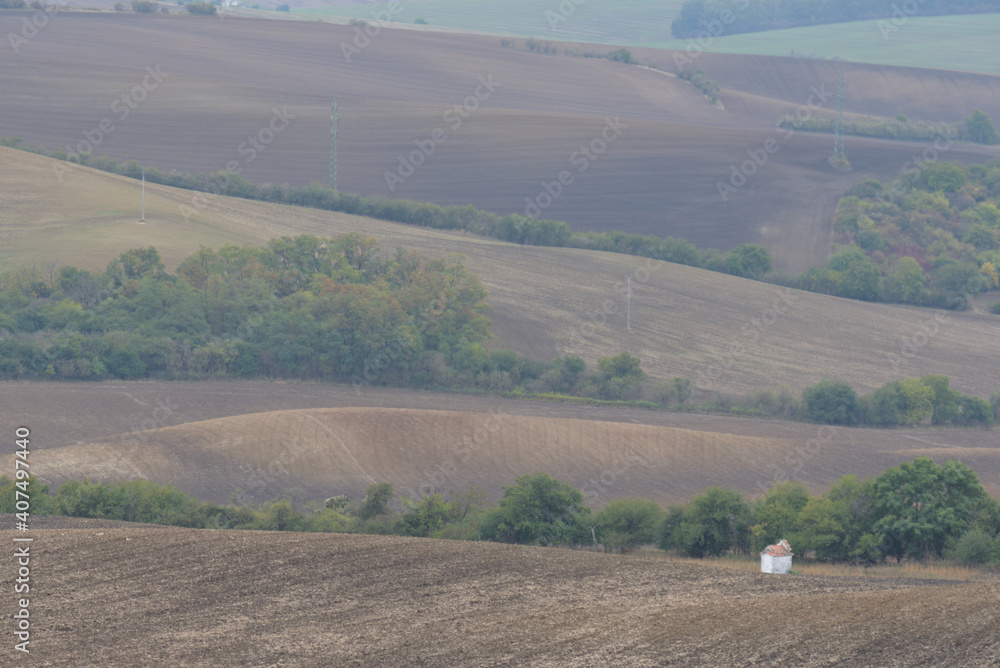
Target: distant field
(598, 21)
(966, 43)
(224, 79)
(962, 42)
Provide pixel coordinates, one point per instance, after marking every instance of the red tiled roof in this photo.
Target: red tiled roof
(782, 549)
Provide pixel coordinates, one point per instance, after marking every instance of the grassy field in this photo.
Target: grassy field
(597, 21)
(964, 43)
(133, 596)
(223, 81)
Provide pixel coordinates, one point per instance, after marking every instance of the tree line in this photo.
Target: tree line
(344, 310)
(917, 510)
(899, 243)
(732, 17)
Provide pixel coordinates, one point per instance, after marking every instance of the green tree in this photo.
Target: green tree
(717, 520)
(776, 515)
(625, 524)
(905, 282)
(831, 403)
(748, 261)
(376, 501)
(133, 265)
(944, 176)
(860, 278)
(620, 375)
(202, 8)
(536, 510)
(922, 506)
(902, 402)
(944, 402)
(424, 517)
(838, 525)
(980, 127)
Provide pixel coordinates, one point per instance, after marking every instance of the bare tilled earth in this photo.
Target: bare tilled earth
(223, 79)
(128, 597)
(266, 440)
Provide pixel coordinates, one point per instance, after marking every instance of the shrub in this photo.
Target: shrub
(974, 547)
(831, 403)
(144, 6)
(201, 8)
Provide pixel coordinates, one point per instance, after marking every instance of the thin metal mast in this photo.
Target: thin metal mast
(333, 144)
(628, 308)
(838, 140)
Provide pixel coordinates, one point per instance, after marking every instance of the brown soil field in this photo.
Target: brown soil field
(214, 439)
(720, 331)
(128, 597)
(223, 78)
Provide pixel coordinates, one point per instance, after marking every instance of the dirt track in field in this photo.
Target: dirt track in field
(126, 597)
(223, 79)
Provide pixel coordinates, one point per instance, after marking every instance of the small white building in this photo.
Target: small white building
(776, 558)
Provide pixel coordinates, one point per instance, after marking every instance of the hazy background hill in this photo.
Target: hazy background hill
(224, 79)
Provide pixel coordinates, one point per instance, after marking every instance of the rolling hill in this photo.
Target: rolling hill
(117, 597)
(225, 82)
(315, 453)
(726, 334)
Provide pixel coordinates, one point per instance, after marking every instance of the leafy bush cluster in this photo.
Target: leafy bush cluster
(698, 79)
(302, 307)
(930, 238)
(916, 510)
(978, 127)
(731, 17)
(901, 402)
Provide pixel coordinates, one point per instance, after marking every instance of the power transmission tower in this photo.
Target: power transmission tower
(333, 145)
(838, 141)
